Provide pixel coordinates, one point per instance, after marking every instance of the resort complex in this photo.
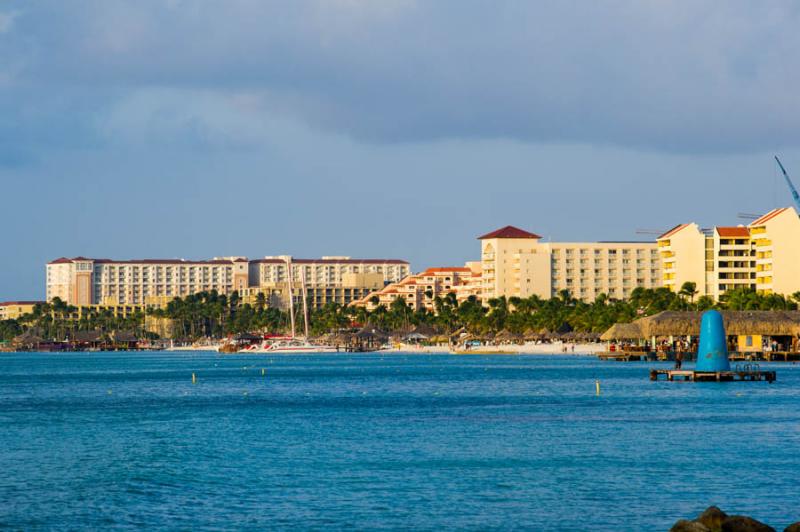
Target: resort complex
(762, 256)
(516, 263)
(521, 285)
(109, 283)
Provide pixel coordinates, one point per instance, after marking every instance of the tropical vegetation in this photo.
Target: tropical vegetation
(209, 314)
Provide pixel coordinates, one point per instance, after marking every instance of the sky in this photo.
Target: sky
(382, 129)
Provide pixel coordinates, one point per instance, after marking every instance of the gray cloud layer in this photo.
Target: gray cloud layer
(668, 76)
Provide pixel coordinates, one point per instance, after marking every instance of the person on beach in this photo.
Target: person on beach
(678, 360)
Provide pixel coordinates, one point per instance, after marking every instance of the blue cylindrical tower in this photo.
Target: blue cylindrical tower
(712, 354)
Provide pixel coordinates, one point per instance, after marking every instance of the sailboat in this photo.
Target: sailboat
(293, 344)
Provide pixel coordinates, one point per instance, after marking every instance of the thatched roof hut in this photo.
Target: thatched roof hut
(686, 323)
(763, 322)
(27, 339)
(425, 330)
(371, 333)
(508, 336)
(623, 331)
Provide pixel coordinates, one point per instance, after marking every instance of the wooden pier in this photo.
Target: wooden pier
(623, 356)
(713, 376)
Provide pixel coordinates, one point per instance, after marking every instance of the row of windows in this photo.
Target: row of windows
(624, 252)
(610, 262)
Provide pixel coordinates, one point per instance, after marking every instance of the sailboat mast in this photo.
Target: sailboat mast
(305, 299)
(291, 293)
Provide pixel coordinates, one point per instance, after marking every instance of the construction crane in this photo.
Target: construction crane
(795, 195)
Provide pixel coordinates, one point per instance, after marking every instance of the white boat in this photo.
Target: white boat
(291, 345)
(213, 346)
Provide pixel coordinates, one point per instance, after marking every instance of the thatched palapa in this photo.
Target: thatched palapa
(622, 331)
(737, 323)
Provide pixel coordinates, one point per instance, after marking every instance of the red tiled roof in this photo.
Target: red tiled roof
(673, 231)
(509, 231)
(767, 217)
(446, 270)
(8, 303)
(734, 232)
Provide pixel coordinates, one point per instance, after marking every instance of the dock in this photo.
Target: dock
(713, 376)
(624, 356)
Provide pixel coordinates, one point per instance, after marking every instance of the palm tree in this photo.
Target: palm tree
(688, 289)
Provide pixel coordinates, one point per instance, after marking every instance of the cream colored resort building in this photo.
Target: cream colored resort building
(82, 281)
(764, 256)
(517, 263)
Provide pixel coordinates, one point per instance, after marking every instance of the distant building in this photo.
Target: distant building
(11, 310)
(420, 290)
(517, 263)
(763, 256)
(83, 281)
(340, 280)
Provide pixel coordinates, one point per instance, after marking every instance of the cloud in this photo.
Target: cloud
(687, 77)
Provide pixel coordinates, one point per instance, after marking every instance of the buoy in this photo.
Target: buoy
(712, 355)
(194, 378)
(262, 372)
(597, 387)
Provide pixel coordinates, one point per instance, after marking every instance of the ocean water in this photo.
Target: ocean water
(424, 442)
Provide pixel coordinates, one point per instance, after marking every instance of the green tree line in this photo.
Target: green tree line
(209, 314)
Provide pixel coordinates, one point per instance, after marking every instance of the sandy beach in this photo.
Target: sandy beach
(556, 348)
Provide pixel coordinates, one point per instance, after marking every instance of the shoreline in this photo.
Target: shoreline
(580, 349)
(590, 349)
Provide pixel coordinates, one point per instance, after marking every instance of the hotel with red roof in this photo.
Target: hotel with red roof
(517, 263)
(763, 256)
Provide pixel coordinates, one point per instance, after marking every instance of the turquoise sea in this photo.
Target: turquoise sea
(424, 442)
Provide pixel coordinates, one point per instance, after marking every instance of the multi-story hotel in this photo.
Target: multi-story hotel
(82, 282)
(763, 256)
(421, 290)
(776, 241)
(517, 263)
(339, 280)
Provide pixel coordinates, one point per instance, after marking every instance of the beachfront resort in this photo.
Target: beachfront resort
(687, 267)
